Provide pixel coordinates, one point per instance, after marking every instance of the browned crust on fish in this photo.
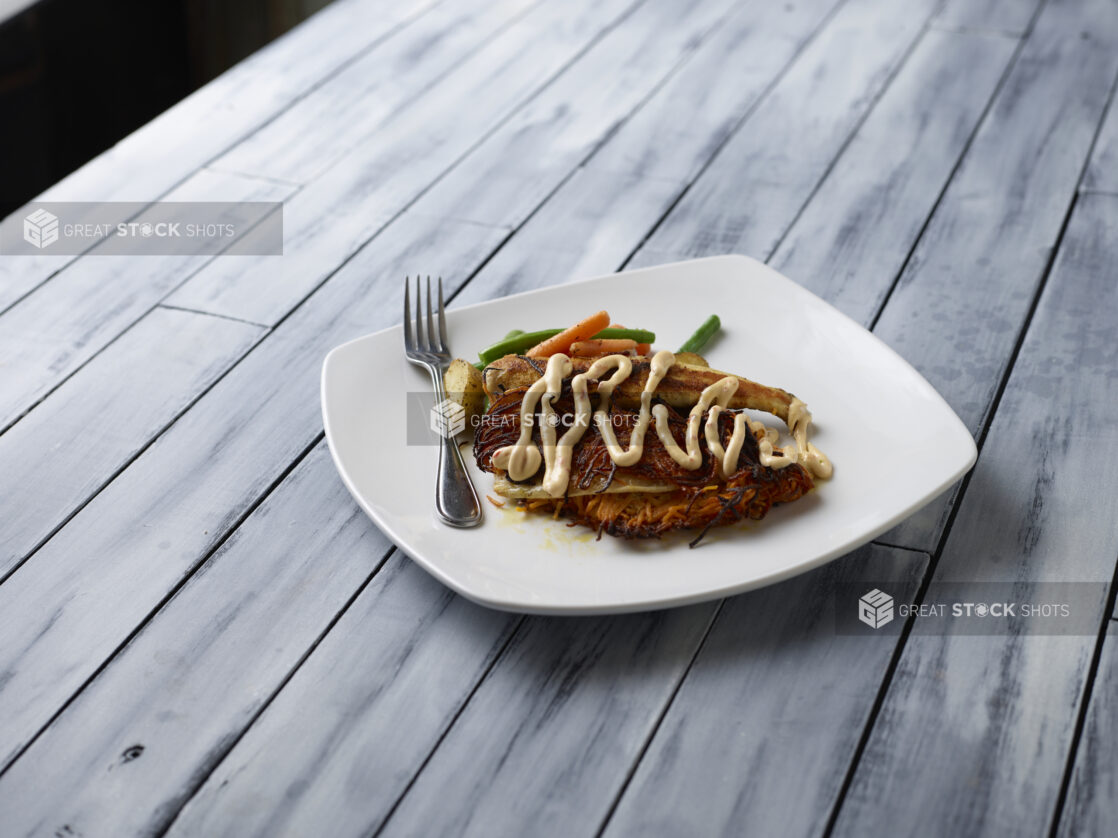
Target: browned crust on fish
(680, 388)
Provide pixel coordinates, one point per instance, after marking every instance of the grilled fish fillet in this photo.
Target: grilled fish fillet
(653, 496)
(680, 388)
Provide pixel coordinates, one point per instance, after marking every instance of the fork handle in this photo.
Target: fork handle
(456, 500)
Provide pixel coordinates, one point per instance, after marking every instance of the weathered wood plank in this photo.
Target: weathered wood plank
(424, 648)
(155, 159)
(1009, 16)
(1091, 807)
(982, 724)
(530, 155)
(132, 748)
(79, 437)
(762, 177)
(1102, 172)
(759, 737)
(350, 203)
(957, 309)
(71, 605)
(853, 238)
(59, 327)
(528, 752)
(318, 130)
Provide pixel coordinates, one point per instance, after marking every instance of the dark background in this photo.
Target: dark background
(76, 76)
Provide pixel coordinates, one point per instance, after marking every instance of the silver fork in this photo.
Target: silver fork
(456, 500)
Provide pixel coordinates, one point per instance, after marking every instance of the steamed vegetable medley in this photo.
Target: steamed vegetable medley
(593, 336)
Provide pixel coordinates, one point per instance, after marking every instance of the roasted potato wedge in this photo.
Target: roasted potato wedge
(463, 384)
(693, 359)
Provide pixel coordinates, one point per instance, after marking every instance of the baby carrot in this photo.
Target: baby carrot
(583, 330)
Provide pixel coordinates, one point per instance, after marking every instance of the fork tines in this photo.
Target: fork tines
(423, 338)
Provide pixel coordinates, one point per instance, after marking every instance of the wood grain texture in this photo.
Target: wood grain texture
(981, 725)
(759, 737)
(58, 328)
(339, 212)
(852, 239)
(762, 177)
(587, 228)
(126, 752)
(153, 160)
(541, 144)
(342, 740)
(678, 130)
(348, 108)
(1102, 172)
(1091, 807)
(73, 443)
(957, 310)
(1008, 16)
(75, 601)
(577, 697)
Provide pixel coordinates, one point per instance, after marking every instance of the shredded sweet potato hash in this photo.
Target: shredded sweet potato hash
(599, 495)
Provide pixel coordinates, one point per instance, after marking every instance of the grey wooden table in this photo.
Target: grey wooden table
(201, 635)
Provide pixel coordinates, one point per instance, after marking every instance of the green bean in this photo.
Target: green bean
(639, 335)
(512, 334)
(702, 335)
(515, 345)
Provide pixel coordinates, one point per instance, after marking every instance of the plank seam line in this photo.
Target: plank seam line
(763, 96)
(513, 632)
(403, 24)
(906, 630)
(224, 170)
(986, 423)
(434, 216)
(199, 778)
(655, 728)
(880, 543)
(855, 129)
(992, 32)
(209, 314)
(178, 586)
(1084, 706)
(46, 394)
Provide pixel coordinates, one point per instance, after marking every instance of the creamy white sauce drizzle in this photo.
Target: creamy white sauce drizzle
(523, 459)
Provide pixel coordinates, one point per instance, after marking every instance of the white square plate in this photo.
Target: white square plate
(894, 442)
